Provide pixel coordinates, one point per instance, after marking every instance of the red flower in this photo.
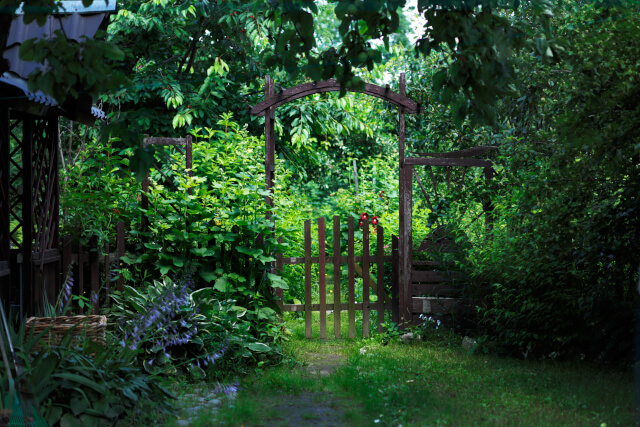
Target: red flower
(364, 216)
(374, 220)
(360, 223)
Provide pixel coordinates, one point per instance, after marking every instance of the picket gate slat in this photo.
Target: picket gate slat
(380, 265)
(352, 287)
(322, 279)
(307, 280)
(365, 279)
(337, 275)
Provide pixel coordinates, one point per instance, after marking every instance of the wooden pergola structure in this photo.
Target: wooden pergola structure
(30, 255)
(266, 108)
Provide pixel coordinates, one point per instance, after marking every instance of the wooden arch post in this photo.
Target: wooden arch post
(404, 219)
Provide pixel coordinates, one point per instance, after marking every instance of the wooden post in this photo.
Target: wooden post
(5, 228)
(307, 280)
(380, 266)
(269, 142)
(405, 288)
(352, 289)
(322, 278)
(337, 275)
(395, 278)
(120, 251)
(365, 279)
(28, 286)
(404, 219)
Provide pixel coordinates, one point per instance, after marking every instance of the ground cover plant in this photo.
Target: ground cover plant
(431, 382)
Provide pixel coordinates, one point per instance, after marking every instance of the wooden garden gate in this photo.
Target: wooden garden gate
(337, 304)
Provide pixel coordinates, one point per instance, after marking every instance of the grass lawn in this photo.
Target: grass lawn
(363, 382)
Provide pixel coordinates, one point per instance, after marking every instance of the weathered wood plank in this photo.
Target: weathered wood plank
(337, 275)
(435, 290)
(431, 276)
(322, 280)
(333, 85)
(395, 279)
(331, 307)
(423, 161)
(329, 259)
(307, 280)
(365, 280)
(352, 279)
(468, 152)
(381, 294)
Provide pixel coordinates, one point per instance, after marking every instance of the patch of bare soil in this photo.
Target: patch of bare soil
(307, 409)
(316, 409)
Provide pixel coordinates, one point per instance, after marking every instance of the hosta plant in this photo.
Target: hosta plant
(180, 331)
(87, 384)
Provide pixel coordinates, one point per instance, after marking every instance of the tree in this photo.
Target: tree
(480, 38)
(89, 66)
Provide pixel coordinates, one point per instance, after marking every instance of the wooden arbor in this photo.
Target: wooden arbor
(405, 105)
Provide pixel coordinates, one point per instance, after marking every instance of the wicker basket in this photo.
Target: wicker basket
(5, 415)
(91, 327)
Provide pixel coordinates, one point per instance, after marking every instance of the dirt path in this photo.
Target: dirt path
(317, 408)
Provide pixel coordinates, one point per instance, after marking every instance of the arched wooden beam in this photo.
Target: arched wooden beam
(333, 85)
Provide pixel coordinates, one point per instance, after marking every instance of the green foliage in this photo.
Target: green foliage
(91, 383)
(181, 332)
(202, 63)
(97, 192)
(88, 67)
(219, 222)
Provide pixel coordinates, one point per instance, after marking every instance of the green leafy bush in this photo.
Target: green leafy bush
(178, 331)
(90, 383)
